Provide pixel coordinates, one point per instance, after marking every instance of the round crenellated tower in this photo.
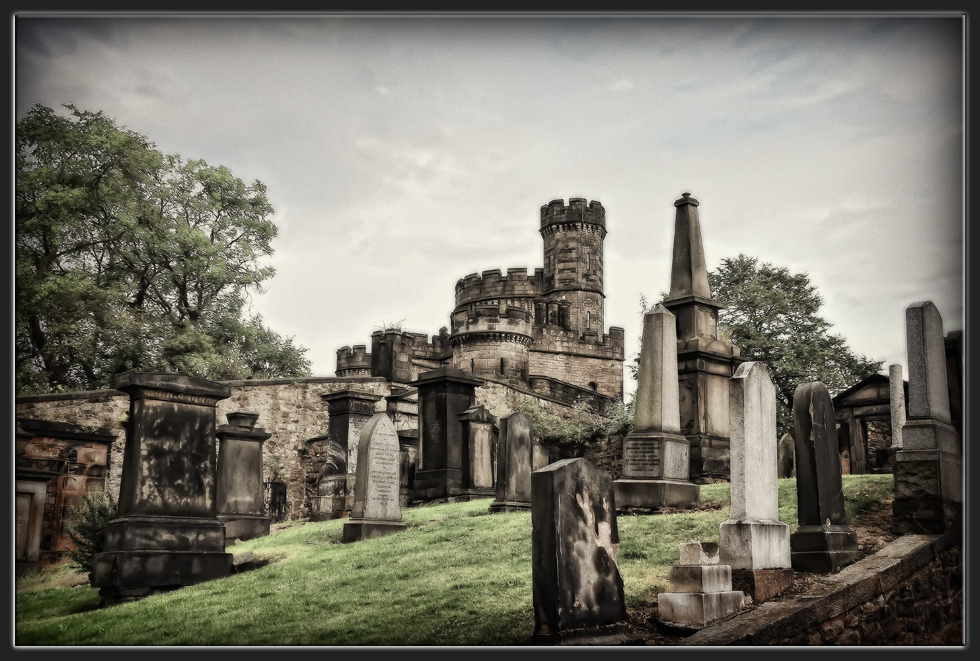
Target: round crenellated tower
(573, 237)
(492, 341)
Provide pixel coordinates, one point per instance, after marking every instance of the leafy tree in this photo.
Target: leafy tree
(87, 525)
(130, 259)
(771, 315)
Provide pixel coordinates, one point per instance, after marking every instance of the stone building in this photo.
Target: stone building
(540, 331)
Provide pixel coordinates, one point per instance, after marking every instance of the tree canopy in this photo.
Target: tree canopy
(771, 315)
(127, 258)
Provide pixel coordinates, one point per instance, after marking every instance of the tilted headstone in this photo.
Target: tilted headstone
(754, 539)
(655, 455)
(514, 464)
(700, 589)
(241, 492)
(166, 533)
(376, 510)
(787, 457)
(823, 542)
(574, 543)
(928, 467)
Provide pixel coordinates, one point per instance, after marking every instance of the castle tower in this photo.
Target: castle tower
(704, 363)
(572, 286)
(492, 342)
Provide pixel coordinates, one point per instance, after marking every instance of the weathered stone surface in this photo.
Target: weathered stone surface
(824, 548)
(656, 400)
(896, 400)
(514, 465)
(700, 578)
(479, 450)
(688, 270)
(928, 393)
(754, 544)
(762, 584)
(241, 493)
(575, 541)
(699, 553)
(376, 504)
(655, 494)
(787, 457)
(697, 610)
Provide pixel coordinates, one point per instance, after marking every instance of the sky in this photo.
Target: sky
(402, 153)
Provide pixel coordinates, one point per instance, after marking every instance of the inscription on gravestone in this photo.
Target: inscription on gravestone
(641, 457)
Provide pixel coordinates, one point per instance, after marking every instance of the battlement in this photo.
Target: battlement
(356, 358)
(577, 211)
(501, 322)
(493, 284)
(417, 345)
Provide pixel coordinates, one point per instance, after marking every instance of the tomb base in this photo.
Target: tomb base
(754, 544)
(135, 574)
(928, 493)
(358, 529)
(509, 506)
(613, 634)
(696, 610)
(762, 584)
(245, 526)
(823, 549)
(632, 492)
(437, 483)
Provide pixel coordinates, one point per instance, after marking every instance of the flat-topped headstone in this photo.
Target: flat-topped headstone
(754, 538)
(166, 533)
(241, 491)
(574, 543)
(928, 394)
(823, 542)
(376, 510)
(514, 464)
(656, 457)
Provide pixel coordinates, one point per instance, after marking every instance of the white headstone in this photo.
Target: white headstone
(657, 400)
(378, 464)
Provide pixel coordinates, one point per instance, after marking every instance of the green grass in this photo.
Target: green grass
(457, 576)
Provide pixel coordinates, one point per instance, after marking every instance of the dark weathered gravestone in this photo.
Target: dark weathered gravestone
(166, 533)
(823, 542)
(656, 462)
(376, 510)
(787, 457)
(514, 465)
(478, 452)
(578, 591)
(928, 467)
(241, 493)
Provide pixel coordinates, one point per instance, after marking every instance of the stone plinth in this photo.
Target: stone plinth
(166, 534)
(755, 544)
(574, 542)
(514, 465)
(443, 395)
(823, 549)
(700, 592)
(241, 492)
(376, 508)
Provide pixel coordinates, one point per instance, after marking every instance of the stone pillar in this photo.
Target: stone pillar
(896, 400)
(241, 492)
(443, 394)
(166, 533)
(578, 591)
(514, 465)
(704, 362)
(928, 468)
(655, 456)
(754, 541)
(478, 448)
(823, 542)
(376, 509)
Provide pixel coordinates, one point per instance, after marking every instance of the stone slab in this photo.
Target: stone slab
(762, 584)
(355, 531)
(161, 533)
(700, 553)
(149, 569)
(656, 494)
(243, 528)
(755, 544)
(700, 578)
(695, 610)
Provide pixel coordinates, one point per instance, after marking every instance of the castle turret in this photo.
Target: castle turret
(493, 342)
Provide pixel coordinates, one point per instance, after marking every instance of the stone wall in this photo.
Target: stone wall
(579, 370)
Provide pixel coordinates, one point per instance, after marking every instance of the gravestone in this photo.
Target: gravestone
(787, 457)
(928, 467)
(823, 542)
(514, 465)
(700, 589)
(478, 447)
(754, 541)
(656, 462)
(578, 591)
(241, 493)
(376, 510)
(166, 533)
(444, 394)
(896, 402)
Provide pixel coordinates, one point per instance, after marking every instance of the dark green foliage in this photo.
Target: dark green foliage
(130, 259)
(86, 527)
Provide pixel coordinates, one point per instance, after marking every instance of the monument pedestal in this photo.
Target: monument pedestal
(243, 526)
(509, 506)
(928, 480)
(356, 530)
(437, 483)
(823, 549)
(655, 471)
(762, 584)
(754, 544)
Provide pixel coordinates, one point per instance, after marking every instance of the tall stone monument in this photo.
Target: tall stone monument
(705, 363)
(514, 465)
(823, 542)
(754, 541)
(578, 591)
(376, 510)
(241, 492)
(443, 395)
(655, 456)
(928, 467)
(166, 533)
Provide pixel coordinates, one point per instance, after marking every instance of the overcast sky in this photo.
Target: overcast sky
(403, 153)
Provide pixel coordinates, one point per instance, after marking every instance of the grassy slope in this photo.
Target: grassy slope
(456, 576)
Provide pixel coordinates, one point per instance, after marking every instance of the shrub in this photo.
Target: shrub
(86, 527)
